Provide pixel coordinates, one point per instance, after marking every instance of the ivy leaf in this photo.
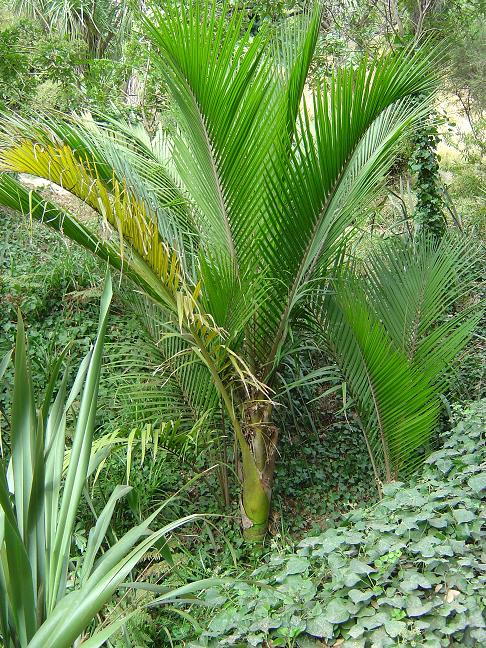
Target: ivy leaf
(328, 545)
(407, 524)
(444, 465)
(266, 624)
(353, 538)
(444, 550)
(331, 584)
(360, 567)
(357, 630)
(416, 608)
(463, 516)
(351, 578)
(354, 643)
(410, 497)
(414, 580)
(224, 621)
(458, 623)
(480, 635)
(336, 561)
(307, 642)
(357, 596)
(380, 639)
(477, 483)
(438, 522)
(337, 612)
(432, 642)
(394, 628)
(426, 546)
(374, 621)
(392, 488)
(319, 627)
(296, 565)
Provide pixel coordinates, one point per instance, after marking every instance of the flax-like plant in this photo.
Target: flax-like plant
(394, 328)
(228, 223)
(44, 602)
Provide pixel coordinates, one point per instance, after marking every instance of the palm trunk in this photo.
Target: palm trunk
(257, 469)
(257, 440)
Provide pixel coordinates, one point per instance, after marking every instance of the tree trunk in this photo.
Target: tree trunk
(257, 469)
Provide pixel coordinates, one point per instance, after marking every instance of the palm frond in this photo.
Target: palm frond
(391, 330)
(415, 289)
(360, 119)
(162, 379)
(397, 407)
(107, 154)
(14, 195)
(213, 74)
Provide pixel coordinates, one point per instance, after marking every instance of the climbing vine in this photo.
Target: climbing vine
(424, 163)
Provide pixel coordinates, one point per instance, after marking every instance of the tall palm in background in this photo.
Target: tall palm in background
(100, 22)
(230, 223)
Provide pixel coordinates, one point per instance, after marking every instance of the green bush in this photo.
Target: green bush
(408, 571)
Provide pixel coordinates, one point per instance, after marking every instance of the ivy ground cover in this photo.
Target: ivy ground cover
(409, 571)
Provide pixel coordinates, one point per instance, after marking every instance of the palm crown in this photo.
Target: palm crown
(230, 221)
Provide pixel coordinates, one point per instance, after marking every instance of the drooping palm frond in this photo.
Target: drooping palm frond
(85, 174)
(146, 272)
(383, 327)
(85, 158)
(144, 163)
(160, 379)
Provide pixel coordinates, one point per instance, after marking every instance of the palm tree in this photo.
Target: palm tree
(100, 23)
(230, 222)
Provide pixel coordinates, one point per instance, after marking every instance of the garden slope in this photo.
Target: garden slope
(409, 571)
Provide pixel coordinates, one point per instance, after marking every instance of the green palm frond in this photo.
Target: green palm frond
(256, 203)
(213, 74)
(360, 118)
(144, 163)
(383, 327)
(415, 289)
(85, 159)
(395, 403)
(162, 379)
